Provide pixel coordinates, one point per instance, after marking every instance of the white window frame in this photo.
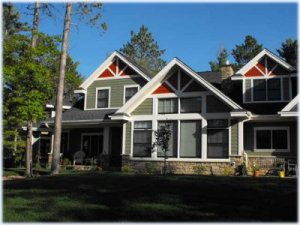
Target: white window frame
(280, 77)
(272, 149)
(178, 102)
(129, 86)
(96, 98)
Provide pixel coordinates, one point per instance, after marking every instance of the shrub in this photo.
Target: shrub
(241, 170)
(199, 169)
(66, 162)
(151, 168)
(127, 169)
(228, 171)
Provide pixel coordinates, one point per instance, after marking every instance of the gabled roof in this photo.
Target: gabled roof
(213, 77)
(253, 62)
(290, 109)
(106, 63)
(158, 79)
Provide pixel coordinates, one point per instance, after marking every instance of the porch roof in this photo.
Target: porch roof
(76, 114)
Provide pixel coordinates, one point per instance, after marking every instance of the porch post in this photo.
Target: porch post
(241, 137)
(204, 139)
(106, 141)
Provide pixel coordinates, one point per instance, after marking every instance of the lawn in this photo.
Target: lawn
(96, 196)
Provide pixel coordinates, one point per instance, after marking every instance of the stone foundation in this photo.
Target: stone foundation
(181, 167)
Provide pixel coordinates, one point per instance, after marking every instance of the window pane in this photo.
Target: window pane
(143, 125)
(280, 139)
(263, 139)
(217, 123)
(274, 90)
(167, 105)
(217, 143)
(188, 105)
(172, 152)
(142, 143)
(102, 99)
(259, 90)
(129, 92)
(190, 139)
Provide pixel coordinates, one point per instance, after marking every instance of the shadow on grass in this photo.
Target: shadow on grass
(104, 197)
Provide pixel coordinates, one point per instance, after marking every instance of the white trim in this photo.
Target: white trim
(129, 86)
(292, 104)
(80, 91)
(118, 77)
(269, 128)
(52, 106)
(123, 138)
(264, 52)
(240, 137)
(106, 64)
(96, 97)
(288, 114)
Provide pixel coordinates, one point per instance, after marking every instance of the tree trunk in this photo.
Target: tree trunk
(36, 20)
(29, 150)
(60, 92)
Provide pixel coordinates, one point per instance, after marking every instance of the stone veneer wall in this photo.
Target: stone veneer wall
(211, 168)
(181, 167)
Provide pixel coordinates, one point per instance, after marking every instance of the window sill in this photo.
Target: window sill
(271, 150)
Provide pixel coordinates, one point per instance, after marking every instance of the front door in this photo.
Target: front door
(115, 146)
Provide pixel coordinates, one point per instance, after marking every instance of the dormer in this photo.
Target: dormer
(266, 79)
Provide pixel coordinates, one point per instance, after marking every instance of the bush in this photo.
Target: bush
(228, 171)
(66, 162)
(151, 168)
(199, 169)
(127, 169)
(241, 170)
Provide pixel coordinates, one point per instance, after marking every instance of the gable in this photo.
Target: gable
(116, 69)
(179, 82)
(265, 67)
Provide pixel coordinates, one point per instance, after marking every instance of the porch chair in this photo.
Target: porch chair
(78, 157)
(292, 167)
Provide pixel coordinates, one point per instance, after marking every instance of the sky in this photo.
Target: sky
(193, 32)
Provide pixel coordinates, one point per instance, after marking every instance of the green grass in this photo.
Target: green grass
(95, 196)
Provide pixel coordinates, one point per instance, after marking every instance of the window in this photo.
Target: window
(129, 92)
(274, 91)
(190, 139)
(102, 98)
(142, 139)
(217, 139)
(172, 151)
(190, 105)
(269, 89)
(92, 145)
(259, 90)
(271, 138)
(167, 105)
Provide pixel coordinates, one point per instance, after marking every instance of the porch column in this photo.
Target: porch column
(106, 141)
(240, 137)
(204, 139)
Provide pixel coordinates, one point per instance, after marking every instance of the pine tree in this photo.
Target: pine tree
(245, 52)
(144, 50)
(221, 60)
(289, 51)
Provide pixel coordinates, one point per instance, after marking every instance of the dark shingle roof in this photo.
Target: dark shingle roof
(211, 77)
(74, 114)
(146, 72)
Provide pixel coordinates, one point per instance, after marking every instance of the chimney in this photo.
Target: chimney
(226, 70)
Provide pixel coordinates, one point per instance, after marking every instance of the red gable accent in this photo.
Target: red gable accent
(113, 67)
(253, 72)
(164, 88)
(106, 73)
(261, 66)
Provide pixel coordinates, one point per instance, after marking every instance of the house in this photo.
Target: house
(217, 120)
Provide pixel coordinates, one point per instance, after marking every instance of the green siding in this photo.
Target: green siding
(116, 90)
(128, 138)
(248, 90)
(234, 137)
(145, 108)
(214, 105)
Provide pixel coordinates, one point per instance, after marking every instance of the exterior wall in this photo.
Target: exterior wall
(214, 105)
(128, 138)
(234, 137)
(249, 138)
(116, 90)
(145, 108)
